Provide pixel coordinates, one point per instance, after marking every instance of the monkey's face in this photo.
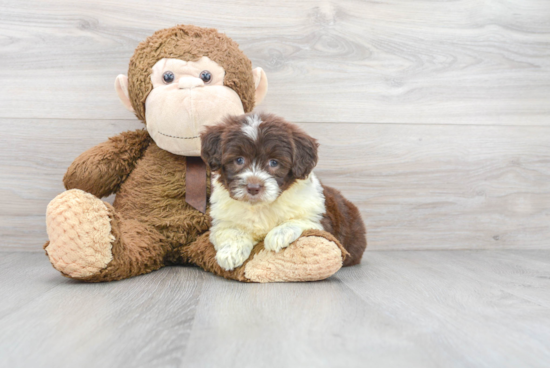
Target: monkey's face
(186, 96)
(184, 78)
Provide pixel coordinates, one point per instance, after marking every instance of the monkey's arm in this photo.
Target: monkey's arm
(101, 169)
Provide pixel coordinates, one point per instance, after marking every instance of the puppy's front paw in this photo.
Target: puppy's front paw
(281, 237)
(231, 257)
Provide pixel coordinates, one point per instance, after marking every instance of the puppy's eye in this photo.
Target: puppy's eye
(205, 76)
(273, 163)
(239, 161)
(168, 77)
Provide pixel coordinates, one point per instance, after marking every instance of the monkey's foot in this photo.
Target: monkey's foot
(316, 255)
(79, 229)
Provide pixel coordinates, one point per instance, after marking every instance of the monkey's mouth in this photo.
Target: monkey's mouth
(173, 136)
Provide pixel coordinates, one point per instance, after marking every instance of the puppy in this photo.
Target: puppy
(263, 188)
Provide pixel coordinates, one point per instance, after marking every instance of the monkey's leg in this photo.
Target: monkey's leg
(90, 242)
(316, 255)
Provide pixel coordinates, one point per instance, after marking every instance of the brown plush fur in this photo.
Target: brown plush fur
(189, 43)
(135, 250)
(344, 221)
(108, 164)
(149, 215)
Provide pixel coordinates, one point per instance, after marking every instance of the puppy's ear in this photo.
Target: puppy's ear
(211, 148)
(305, 154)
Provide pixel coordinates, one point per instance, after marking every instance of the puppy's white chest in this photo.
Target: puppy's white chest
(259, 221)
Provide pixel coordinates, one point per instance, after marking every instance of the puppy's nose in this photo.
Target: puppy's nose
(190, 83)
(253, 188)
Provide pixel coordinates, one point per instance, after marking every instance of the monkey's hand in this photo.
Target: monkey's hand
(101, 169)
(232, 246)
(283, 235)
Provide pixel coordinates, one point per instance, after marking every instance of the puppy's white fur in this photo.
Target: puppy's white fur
(251, 129)
(238, 225)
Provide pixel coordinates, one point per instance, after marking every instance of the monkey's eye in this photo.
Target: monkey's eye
(168, 77)
(273, 163)
(205, 76)
(239, 161)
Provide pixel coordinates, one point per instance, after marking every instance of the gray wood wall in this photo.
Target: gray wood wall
(433, 116)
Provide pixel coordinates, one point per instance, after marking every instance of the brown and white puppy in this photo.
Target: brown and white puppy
(263, 188)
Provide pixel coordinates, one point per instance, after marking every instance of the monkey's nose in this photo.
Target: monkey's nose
(253, 188)
(190, 83)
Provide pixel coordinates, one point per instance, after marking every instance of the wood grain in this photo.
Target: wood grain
(463, 166)
(399, 61)
(397, 309)
(509, 271)
(458, 187)
(417, 186)
(468, 308)
(140, 322)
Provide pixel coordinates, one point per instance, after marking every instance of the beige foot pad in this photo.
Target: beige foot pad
(79, 229)
(310, 258)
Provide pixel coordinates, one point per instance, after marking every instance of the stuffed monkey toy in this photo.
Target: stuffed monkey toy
(179, 80)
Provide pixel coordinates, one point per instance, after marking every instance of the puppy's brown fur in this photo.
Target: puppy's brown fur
(343, 220)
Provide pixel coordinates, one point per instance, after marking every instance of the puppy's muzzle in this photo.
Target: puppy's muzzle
(254, 186)
(253, 189)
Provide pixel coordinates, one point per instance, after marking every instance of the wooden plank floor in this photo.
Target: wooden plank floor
(397, 309)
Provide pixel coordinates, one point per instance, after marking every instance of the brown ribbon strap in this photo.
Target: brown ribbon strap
(195, 182)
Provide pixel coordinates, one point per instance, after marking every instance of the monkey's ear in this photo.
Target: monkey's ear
(211, 148)
(121, 87)
(260, 82)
